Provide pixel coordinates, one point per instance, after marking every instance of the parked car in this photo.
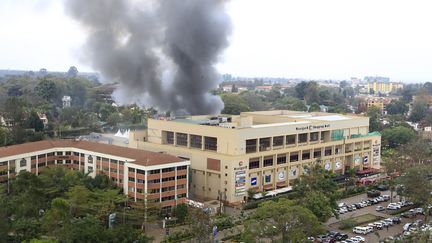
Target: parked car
(382, 187)
(386, 197)
(359, 238)
(362, 230)
(373, 193)
(380, 208)
(407, 226)
(396, 220)
(378, 225)
(407, 215)
(341, 237)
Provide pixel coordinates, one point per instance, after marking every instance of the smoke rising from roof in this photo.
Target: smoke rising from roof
(161, 52)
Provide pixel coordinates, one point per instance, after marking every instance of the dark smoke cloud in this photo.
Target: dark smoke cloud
(161, 52)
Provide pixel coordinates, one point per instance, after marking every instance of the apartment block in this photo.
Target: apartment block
(143, 175)
(263, 151)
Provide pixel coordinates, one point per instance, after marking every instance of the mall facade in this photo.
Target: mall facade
(262, 151)
(144, 176)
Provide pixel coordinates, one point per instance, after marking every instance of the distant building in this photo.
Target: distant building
(264, 88)
(323, 108)
(379, 102)
(384, 87)
(227, 88)
(66, 101)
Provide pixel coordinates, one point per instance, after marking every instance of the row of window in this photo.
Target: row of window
(195, 141)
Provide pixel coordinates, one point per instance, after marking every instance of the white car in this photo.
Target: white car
(343, 210)
(407, 226)
(358, 238)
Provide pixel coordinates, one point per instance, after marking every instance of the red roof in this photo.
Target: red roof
(141, 157)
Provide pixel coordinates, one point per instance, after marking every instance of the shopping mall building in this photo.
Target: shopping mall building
(263, 151)
(144, 176)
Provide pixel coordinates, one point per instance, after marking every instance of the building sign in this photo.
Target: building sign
(357, 159)
(338, 164)
(281, 175)
(240, 180)
(293, 172)
(312, 127)
(253, 181)
(376, 154)
(365, 159)
(327, 165)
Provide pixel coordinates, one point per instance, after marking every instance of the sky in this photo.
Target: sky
(313, 39)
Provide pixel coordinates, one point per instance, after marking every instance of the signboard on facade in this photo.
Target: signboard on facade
(338, 164)
(327, 165)
(240, 180)
(357, 159)
(376, 154)
(312, 127)
(281, 175)
(366, 159)
(253, 181)
(293, 172)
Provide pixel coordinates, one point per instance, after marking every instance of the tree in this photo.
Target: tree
(34, 122)
(272, 218)
(72, 72)
(300, 89)
(57, 217)
(374, 114)
(318, 203)
(314, 107)
(312, 93)
(47, 89)
(199, 225)
(397, 107)
(181, 212)
(396, 136)
(234, 104)
(417, 184)
(419, 109)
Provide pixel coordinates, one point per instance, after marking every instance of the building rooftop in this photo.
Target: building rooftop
(140, 157)
(261, 119)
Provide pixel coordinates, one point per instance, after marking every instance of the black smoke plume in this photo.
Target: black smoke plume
(162, 52)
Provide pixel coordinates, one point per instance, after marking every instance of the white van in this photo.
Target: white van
(362, 230)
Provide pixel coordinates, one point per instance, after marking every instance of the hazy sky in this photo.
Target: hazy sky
(335, 39)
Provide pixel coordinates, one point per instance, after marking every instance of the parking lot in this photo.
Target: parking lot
(377, 235)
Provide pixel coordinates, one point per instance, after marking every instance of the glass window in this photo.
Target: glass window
(253, 163)
(303, 137)
(294, 157)
(195, 141)
(314, 136)
(317, 153)
(181, 139)
(268, 161)
(210, 143)
(264, 144)
(281, 159)
(278, 141)
(291, 139)
(169, 137)
(251, 146)
(306, 155)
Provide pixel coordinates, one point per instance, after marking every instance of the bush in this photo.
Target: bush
(178, 236)
(347, 224)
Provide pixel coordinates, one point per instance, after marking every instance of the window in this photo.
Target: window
(131, 189)
(306, 155)
(181, 186)
(210, 143)
(59, 153)
(169, 137)
(90, 169)
(184, 167)
(181, 195)
(281, 159)
(167, 170)
(264, 144)
(68, 153)
(33, 158)
(291, 139)
(23, 162)
(328, 151)
(168, 198)
(314, 136)
(113, 161)
(142, 172)
(251, 146)
(294, 157)
(181, 139)
(131, 179)
(268, 161)
(278, 141)
(317, 153)
(154, 172)
(168, 179)
(131, 169)
(196, 141)
(157, 190)
(167, 189)
(303, 138)
(181, 177)
(90, 159)
(253, 163)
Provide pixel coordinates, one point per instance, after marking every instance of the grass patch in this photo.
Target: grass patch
(356, 221)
